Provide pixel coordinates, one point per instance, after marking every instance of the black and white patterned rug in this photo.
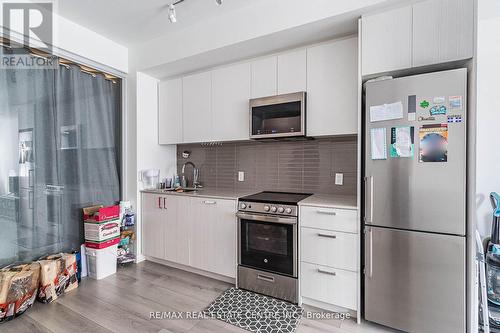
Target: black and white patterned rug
(254, 312)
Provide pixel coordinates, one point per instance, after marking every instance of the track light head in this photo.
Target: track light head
(171, 13)
(218, 2)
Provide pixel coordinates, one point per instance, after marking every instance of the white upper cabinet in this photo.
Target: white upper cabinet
(214, 105)
(264, 77)
(197, 113)
(170, 112)
(292, 72)
(332, 88)
(230, 95)
(386, 41)
(442, 31)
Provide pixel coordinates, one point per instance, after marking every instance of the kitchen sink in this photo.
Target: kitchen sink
(184, 190)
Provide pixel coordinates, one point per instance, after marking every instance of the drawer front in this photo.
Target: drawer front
(329, 248)
(329, 285)
(329, 218)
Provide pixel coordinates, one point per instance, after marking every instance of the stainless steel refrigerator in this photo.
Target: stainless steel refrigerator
(415, 202)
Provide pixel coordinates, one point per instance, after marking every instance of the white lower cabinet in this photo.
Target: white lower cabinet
(213, 235)
(196, 232)
(176, 229)
(329, 257)
(330, 248)
(153, 226)
(329, 285)
(164, 229)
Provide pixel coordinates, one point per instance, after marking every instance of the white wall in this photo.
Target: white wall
(85, 43)
(70, 38)
(262, 18)
(150, 155)
(488, 110)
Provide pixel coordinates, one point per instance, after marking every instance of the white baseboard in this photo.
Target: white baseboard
(328, 307)
(192, 270)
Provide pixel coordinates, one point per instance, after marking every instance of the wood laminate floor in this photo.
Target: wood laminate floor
(123, 303)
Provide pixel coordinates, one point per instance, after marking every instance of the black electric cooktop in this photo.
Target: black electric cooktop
(284, 198)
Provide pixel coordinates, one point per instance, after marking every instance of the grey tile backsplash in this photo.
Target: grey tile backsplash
(298, 166)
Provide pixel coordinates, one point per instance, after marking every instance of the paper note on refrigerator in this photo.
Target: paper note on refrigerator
(386, 111)
(378, 143)
(402, 141)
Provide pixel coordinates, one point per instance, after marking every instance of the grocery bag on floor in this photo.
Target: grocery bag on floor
(58, 277)
(48, 281)
(18, 289)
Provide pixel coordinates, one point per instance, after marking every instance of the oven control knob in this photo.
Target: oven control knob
(243, 206)
(266, 208)
(266, 261)
(281, 210)
(273, 209)
(288, 210)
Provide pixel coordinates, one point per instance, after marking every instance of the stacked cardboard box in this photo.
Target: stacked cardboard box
(102, 235)
(102, 226)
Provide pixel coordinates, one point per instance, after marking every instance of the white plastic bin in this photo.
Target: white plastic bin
(101, 263)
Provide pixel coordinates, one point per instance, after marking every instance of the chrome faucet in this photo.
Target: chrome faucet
(196, 173)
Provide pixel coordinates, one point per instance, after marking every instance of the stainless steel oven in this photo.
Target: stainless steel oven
(268, 244)
(278, 116)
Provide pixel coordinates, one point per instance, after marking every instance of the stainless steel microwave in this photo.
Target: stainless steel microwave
(278, 116)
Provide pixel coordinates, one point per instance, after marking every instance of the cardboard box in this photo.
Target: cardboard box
(102, 231)
(95, 214)
(102, 245)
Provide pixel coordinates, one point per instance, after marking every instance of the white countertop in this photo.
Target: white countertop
(322, 200)
(207, 193)
(331, 201)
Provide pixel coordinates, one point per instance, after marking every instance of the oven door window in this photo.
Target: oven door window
(267, 246)
(277, 118)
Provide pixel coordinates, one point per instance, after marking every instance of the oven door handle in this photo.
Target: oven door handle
(267, 218)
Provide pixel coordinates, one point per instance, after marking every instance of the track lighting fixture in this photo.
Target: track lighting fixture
(171, 9)
(171, 13)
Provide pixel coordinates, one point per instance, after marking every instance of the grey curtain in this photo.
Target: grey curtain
(75, 123)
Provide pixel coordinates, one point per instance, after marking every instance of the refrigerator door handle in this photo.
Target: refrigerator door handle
(368, 199)
(369, 254)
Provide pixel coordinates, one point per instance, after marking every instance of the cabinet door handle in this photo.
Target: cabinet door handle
(209, 202)
(326, 235)
(326, 272)
(159, 202)
(326, 212)
(164, 204)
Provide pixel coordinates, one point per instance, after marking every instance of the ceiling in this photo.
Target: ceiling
(130, 22)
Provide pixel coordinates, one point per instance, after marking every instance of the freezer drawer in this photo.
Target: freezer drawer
(415, 281)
